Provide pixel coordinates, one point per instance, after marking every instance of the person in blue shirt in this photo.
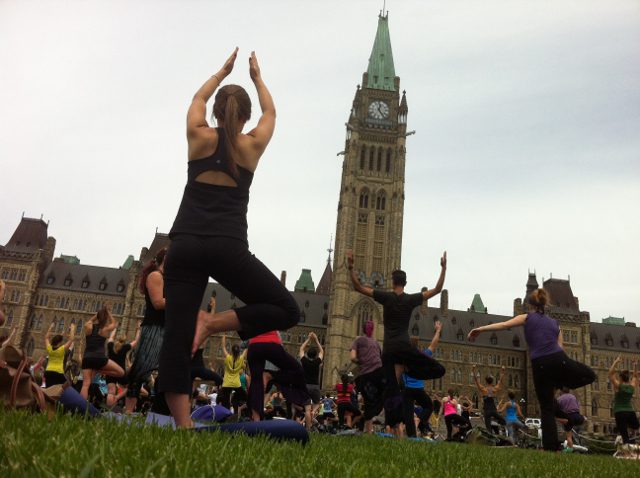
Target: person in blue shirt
(414, 393)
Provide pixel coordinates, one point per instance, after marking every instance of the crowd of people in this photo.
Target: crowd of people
(164, 364)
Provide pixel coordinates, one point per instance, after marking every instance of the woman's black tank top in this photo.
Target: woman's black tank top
(210, 210)
(94, 344)
(152, 316)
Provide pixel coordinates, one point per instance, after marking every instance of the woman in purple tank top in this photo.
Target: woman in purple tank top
(551, 366)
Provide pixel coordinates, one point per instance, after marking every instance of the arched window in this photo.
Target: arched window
(379, 162)
(60, 327)
(371, 154)
(381, 201)
(365, 312)
(388, 163)
(364, 199)
(594, 407)
(363, 157)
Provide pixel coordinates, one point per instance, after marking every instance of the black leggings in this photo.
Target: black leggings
(419, 397)
(492, 413)
(371, 386)
(461, 422)
(290, 375)
(190, 262)
(551, 372)
(624, 421)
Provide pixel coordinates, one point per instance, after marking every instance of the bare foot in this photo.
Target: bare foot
(203, 330)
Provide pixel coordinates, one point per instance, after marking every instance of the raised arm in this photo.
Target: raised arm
(196, 116)
(613, 376)
(507, 324)
(368, 291)
(320, 349)
(304, 346)
(137, 337)
(498, 386)
(112, 325)
(481, 388)
(155, 286)
(47, 336)
(224, 346)
(436, 336)
(72, 336)
(112, 336)
(427, 294)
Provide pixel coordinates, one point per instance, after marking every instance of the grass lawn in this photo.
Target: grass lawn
(33, 446)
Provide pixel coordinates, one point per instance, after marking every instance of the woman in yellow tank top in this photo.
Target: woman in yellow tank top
(234, 364)
(54, 373)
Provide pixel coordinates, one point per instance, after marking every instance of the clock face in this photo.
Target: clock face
(378, 110)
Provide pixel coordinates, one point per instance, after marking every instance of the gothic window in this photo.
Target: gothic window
(32, 322)
(85, 282)
(379, 220)
(103, 284)
(371, 154)
(594, 407)
(388, 162)
(30, 347)
(362, 218)
(120, 286)
(9, 318)
(364, 199)
(68, 280)
(460, 335)
(363, 157)
(379, 161)
(60, 327)
(365, 312)
(494, 339)
(381, 201)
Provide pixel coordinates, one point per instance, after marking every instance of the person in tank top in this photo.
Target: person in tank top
(209, 234)
(94, 359)
(451, 416)
(147, 353)
(54, 372)
(117, 350)
(512, 411)
(551, 367)
(489, 391)
(624, 385)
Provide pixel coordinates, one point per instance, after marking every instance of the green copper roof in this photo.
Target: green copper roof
(69, 259)
(613, 320)
(128, 263)
(477, 305)
(305, 282)
(381, 73)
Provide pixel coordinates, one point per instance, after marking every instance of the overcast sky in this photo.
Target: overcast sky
(526, 152)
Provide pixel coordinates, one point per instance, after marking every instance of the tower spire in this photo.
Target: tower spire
(330, 250)
(381, 72)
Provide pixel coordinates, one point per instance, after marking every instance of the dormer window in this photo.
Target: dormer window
(624, 342)
(494, 339)
(594, 339)
(51, 279)
(472, 324)
(460, 335)
(68, 280)
(120, 286)
(103, 284)
(85, 283)
(608, 340)
(516, 341)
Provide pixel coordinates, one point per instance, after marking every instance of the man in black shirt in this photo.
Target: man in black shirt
(311, 361)
(398, 355)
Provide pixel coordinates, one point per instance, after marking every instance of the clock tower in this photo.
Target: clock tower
(371, 201)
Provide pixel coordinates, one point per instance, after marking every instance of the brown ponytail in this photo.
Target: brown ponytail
(539, 300)
(232, 104)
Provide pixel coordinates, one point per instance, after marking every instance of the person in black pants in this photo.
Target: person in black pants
(398, 355)
(551, 367)
(209, 235)
(488, 393)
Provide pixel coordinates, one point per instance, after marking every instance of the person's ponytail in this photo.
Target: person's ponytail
(539, 299)
(230, 128)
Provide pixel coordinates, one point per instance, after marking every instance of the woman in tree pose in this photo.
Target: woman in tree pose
(624, 384)
(551, 366)
(147, 353)
(54, 373)
(488, 392)
(117, 351)
(94, 359)
(209, 235)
